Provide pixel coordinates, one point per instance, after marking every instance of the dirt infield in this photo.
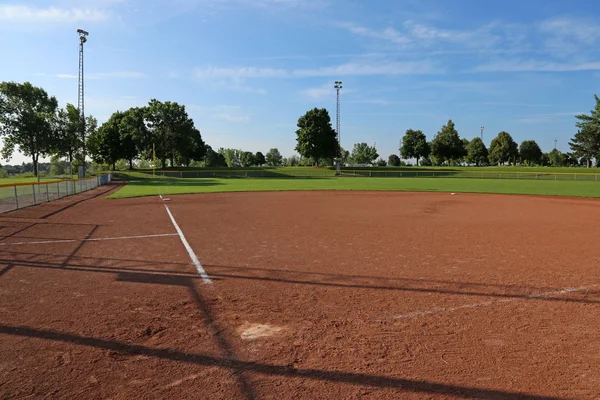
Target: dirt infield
(314, 295)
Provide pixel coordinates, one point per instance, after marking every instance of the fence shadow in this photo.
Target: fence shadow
(242, 367)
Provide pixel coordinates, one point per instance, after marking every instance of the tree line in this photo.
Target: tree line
(32, 122)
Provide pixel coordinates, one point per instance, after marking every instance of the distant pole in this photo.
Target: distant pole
(338, 87)
(482, 128)
(80, 91)
(153, 159)
(555, 143)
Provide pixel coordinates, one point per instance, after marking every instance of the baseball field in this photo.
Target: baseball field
(332, 287)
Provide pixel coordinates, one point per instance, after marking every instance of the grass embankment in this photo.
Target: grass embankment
(168, 186)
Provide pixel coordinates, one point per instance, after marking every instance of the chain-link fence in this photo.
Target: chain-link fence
(366, 172)
(21, 195)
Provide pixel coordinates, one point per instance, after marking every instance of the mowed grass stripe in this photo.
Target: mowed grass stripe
(152, 187)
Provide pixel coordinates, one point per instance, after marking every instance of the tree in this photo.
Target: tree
(586, 143)
(214, 159)
(274, 157)
(259, 159)
(381, 162)
(316, 138)
(231, 156)
(530, 152)
(134, 135)
(292, 161)
(247, 159)
(27, 116)
(477, 153)
(556, 158)
(503, 149)
(105, 145)
(362, 153)
(393, 161)
(447, 145)
(414, 145)
(67, 132)
(171, 131)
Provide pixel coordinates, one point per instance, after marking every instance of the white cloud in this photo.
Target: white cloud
(547, 118)
(238, 74)
(539, 66)
(318, 93)
(577, 30)
(117, 75)
(388, 34)
(99, 75)
(233, 118)
(20, 14)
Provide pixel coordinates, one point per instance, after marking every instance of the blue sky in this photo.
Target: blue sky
(247, 69)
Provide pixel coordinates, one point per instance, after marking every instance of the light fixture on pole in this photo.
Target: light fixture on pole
(482, 128)
(338, 86)
(80, 92)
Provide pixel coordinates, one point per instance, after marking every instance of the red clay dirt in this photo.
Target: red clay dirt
(315, 295)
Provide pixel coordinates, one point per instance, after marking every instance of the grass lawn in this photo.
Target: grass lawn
(149, 187)
(12, 181)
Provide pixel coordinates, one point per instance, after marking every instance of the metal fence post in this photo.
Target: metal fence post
(16, 197)
(33, 190)
(47, 194)
(58, 190)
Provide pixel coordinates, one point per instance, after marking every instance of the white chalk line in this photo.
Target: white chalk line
(87, 240)
(193, 256)
(440, 310)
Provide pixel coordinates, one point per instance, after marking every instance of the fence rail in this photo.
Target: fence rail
(224, 173)
(21, 195)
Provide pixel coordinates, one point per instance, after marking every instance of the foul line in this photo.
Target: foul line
(440, 310)
(88, 240)
(193, 256)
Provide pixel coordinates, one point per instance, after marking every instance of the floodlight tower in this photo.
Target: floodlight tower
(482, 128)
(338, 86)
(80, 91)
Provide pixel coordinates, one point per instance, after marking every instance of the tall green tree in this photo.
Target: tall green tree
(556, 158)
(232, 157)
(477, 153)
(259, 159)
(27, 118)
(105, 145)
(315, 137)
(414, 145)
(214, 159)
(586, 143)
(447, 146)
(247, 159)
(503, 149)
(135, 137)
(274, 157)
(67, 132)
(394, 160)
(362, 153)
(530, 152)
(171, 130)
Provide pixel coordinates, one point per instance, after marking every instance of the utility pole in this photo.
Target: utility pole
(555, 143)
(80, 93)
(482, 128)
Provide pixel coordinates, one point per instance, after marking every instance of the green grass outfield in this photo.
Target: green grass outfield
(164, 186)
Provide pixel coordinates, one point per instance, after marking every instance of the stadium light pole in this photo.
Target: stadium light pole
(338, 87)
(482, 128)
(80, 92)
